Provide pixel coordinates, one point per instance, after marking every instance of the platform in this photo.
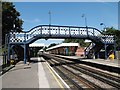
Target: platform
(112, 63)
(107, 65)
(38, 74)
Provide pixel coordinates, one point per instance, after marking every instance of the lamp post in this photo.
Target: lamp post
(104, 26)
(105, 46)
(83, 16)
(49, 17)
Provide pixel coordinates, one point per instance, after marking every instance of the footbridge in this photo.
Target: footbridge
(99, 39)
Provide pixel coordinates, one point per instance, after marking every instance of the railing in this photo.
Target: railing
(91, 45)
(54, 31)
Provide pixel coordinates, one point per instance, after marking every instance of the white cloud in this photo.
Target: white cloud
(36, 20)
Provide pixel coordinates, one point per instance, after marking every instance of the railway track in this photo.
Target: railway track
(75, 80)
(84, 77)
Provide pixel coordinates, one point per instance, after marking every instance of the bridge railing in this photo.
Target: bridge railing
(107, 38)
(58, 31)
(87, 49)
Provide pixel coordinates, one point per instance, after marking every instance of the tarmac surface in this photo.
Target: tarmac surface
(38, 74)
(107, 62)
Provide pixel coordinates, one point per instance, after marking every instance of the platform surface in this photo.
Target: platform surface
(113, 63)
(37, 74)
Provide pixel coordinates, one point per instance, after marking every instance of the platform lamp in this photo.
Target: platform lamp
(105, 46)
(84, 16)
(104, 26)
(49, 21)
(49, 17)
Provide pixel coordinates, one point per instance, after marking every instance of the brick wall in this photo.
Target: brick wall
(80, 51)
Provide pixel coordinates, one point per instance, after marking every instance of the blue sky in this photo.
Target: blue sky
(68, 13)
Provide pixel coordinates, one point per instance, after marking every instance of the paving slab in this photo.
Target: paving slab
(21, 76)
(113, 63)
(37, 74)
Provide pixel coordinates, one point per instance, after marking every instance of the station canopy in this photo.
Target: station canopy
(64, 45)
(37, 45)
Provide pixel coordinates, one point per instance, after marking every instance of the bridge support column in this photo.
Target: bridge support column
(98, 55)
(105, 51)
(8, 58)
(7, 43)
(5, 52)
(114, 51)
(12, 52)
(25, 59)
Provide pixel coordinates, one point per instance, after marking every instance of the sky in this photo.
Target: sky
(67, 13)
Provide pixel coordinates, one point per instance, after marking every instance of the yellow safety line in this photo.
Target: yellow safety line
(55, 78)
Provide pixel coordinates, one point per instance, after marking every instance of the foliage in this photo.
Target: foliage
(113, 31)
(10, 19)
(51, 45)
(45, 48)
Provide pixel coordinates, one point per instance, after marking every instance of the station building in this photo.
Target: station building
(68, 49)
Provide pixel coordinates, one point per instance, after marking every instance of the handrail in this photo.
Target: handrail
(62, 26)
(90, 46)
(70, 31)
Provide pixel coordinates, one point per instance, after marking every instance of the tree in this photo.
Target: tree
(51, 45)
(10, 19)
(109, 30)
(44, 49)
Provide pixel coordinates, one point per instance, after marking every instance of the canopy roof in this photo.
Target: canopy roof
(36, 45)
(64, 45)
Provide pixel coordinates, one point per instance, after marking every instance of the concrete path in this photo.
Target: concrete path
(21, 76)
(37, 74)
(113, 63)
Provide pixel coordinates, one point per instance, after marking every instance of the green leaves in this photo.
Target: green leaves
(113, 31)
(51, 45)
(10, 19)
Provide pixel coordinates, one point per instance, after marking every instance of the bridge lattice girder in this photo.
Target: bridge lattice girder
(55, 31)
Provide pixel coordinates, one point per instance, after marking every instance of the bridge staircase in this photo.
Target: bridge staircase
(59, 32)
(89, 50)
(92, 51)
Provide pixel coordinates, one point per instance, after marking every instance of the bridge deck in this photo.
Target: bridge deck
(54, 31)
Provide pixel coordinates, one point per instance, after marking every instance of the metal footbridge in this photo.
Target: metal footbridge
(54, 31)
